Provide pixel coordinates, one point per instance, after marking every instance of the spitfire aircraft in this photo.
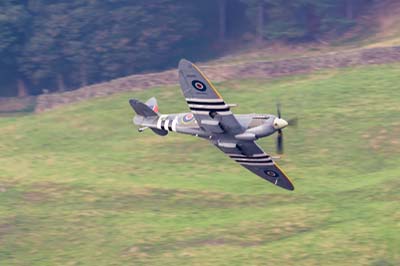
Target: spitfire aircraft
(211, 118)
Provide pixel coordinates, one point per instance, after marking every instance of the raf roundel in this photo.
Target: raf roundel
(198, 85)
(271, 173)
(188, 118)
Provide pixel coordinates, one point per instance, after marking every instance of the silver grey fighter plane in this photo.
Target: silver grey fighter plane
(211, 118)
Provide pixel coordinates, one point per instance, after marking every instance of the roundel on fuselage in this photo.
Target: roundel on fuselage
(187, 118)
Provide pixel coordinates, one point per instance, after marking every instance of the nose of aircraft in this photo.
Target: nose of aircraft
(280, 123)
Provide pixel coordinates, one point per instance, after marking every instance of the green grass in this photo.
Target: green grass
(80, 186)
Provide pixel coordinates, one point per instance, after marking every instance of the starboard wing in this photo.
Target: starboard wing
(205, 102)
(252, 157)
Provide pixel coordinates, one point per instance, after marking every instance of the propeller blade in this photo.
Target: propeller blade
(278, 109)
(279, 142)
(293, 122)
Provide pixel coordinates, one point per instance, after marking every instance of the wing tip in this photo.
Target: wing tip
(291, 187)
(183, 63)
(132, 102)
(288, 184)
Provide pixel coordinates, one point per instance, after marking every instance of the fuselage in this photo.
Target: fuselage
(254, 126)
(211, 118)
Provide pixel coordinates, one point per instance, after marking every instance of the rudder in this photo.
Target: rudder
(152, 103)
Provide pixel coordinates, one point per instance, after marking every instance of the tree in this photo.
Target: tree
(297, 19)
(75, 43)
(222, 19)
(256, 11)
(62, 45)
(14, 19)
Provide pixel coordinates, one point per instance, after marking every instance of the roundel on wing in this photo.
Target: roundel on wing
(271, 173)
(198, 85)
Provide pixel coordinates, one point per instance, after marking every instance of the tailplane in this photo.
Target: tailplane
(147, 115)
(144, 110)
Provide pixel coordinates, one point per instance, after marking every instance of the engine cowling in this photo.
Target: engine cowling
(246, 136)
(257, 132)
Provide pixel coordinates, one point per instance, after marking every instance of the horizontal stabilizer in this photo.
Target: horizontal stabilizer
(141, 108)
(160, 132)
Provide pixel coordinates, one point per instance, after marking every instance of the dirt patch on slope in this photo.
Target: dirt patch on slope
(265, 69)
(388, 16)
(6, 228)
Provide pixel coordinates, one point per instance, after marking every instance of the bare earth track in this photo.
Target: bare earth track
(222, 72)
(249, 70)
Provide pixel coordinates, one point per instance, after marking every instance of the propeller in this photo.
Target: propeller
(279, 142)
(279, 139)
(293, 122)
(278, 109)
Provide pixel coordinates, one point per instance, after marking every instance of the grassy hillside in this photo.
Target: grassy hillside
(80, 186)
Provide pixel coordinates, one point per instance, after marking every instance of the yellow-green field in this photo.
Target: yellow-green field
(80, 186)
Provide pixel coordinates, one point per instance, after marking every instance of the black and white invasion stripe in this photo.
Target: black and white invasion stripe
(167, 124)
(254, 160)
(206, 106)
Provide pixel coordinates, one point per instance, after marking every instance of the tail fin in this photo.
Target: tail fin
(146, 114)
(152, 103)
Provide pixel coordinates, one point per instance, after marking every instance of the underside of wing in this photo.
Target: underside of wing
(252, 157)
(205, 102)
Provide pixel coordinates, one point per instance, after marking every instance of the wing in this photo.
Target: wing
(252, 157)
(209, 109)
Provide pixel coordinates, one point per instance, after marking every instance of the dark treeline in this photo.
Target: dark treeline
(62, 45)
